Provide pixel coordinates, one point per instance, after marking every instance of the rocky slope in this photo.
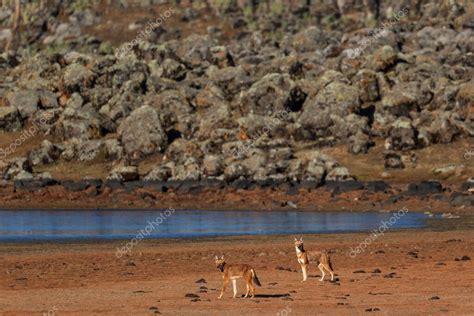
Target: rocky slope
(257, 98)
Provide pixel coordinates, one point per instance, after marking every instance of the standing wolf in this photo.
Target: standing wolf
(234, 272)
(305, 257)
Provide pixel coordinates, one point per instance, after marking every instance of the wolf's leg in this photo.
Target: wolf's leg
(248, 289)
(320, 266)
(226, 281)
(331, 273)
(234, 286)
(252, 289)
(304, 268)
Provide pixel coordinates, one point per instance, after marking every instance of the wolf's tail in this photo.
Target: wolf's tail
(255, 278)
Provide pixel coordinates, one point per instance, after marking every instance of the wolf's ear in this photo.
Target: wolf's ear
(222, 258)
(301, 238)
(216, 257)
(296, 239)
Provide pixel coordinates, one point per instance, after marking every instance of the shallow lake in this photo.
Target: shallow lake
(37, 225)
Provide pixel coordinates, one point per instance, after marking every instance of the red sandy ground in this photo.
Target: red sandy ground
(87, 278)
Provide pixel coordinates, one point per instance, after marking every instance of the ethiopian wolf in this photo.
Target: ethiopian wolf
(232, 272)
(306, 257)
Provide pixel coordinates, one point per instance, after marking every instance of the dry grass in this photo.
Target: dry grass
(370, 166)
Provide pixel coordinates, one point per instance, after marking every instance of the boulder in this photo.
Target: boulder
(77, 77)
(160, 173)
(393, 160)
(141, 133)
(384, 58)
(124, 173)
(268, 95)
(113, 149)
(402, 135)
(25, 101)
(315, 172)
(230, 81)
(189, 170)
(402, 99)
(48, 100)
(15, 166)
(462, 200)
(10, 119)
(339, 174)
(23, 176)
(377, 186)
(468, 185)
(360, 143)
(424, 188)
(181, 149)
(214, 118)
(46, 153)
(213, 165)
(368, 85)
(90, 150)
(234, 171)
(344, 186)
(443, 128)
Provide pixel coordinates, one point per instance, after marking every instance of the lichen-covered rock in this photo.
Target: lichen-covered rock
(160, 173)
(113, 149)
(25, 101)
(368, 85)
(231, 80)
(443, 127)
(384, 58)
(47, 153)
(338, 97)
(402, 135)
(9, 119)
(181, 149)
(393, 160)
(90, 150)
(175, 112)
(77, 77)
(15, 166)
(339, 174)
(234, 171)
(217, 117)
(141, 133)
(360, 143)
(189, 170)
(315, 172)
(48, 99)
(268, 95)
(213, 165)
(124, 173)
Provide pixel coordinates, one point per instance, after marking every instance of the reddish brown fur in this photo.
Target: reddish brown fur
(235, 271)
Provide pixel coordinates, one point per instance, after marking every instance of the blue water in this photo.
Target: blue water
(41, 225)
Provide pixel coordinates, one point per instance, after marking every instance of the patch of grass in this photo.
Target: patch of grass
(370, 166)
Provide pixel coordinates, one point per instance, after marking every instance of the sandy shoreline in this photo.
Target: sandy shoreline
(400, 273)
